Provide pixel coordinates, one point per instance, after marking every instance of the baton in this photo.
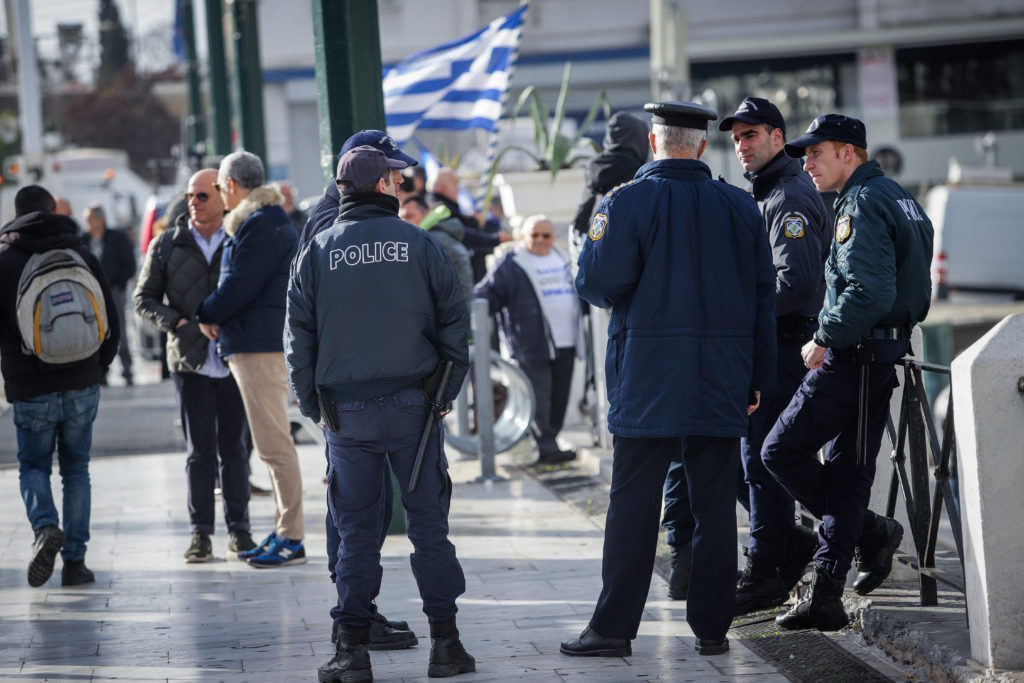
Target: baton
(864, 363)
(432, 416)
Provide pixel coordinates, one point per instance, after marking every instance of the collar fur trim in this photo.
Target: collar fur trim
(257, 199)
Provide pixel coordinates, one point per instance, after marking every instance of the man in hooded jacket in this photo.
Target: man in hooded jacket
(54, 405)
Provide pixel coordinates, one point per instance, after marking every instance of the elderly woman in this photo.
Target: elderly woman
(532, 293)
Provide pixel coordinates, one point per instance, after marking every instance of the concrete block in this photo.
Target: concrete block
(989, 421)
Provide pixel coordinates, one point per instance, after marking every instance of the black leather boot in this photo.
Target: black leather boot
(351, 661)
(803, 543)
(679, 579)
(759, 587)
(447, 655)
(879, 541)
(384, 637)
(821, 609)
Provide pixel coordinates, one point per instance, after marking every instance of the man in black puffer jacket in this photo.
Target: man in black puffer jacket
(182, 268)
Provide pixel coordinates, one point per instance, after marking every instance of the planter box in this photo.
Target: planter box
(526, 193)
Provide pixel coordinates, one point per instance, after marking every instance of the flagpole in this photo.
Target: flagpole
(492, 142)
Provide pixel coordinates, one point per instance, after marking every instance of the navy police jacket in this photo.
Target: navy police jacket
(373, 305)
(878, 271)
(684, 263)
(797, 229)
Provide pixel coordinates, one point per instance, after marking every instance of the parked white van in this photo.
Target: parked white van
(979, 240)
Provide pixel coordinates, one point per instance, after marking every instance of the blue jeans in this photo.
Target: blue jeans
(367, 431)
(61, 421)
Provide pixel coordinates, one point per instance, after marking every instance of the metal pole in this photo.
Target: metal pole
(346, 42)
(220, 101)
(29, 106)
(482, 383)
(249, 75)
(196, 139)
(462, 410)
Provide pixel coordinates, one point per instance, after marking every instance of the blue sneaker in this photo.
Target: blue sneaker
(260, 549)
(282, 551)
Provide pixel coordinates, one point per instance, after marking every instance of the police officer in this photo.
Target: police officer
(878, 288)
(371, 377)
(385, 634)
(685, 265)
(778, 550)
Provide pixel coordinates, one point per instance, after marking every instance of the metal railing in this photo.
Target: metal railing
(915, 439)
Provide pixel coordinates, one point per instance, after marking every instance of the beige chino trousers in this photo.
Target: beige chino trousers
(263, 382)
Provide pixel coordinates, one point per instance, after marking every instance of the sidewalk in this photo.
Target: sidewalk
(532, 565)
(890, 628)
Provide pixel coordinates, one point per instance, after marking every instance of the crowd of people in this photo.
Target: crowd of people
(746, 333)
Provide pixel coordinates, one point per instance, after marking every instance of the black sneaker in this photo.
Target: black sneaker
(75, 573)
(49, 541)
(240, 541)
(200, 549)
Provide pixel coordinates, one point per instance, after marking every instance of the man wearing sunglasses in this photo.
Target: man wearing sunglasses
(182, 268)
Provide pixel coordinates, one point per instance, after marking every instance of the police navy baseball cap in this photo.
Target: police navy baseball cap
(755, 110)
(829, 127)
(362, 165)
(680, 114)
(379, 140)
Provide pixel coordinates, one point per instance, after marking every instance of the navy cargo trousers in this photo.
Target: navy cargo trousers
(823, 413)
(367, 430)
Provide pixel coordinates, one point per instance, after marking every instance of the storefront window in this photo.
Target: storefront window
(970, 88)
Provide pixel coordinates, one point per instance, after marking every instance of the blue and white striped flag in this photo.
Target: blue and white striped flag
(455, 86)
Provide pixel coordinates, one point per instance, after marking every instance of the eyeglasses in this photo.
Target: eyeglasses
(201, 197)
(218, 186)
(541, 236)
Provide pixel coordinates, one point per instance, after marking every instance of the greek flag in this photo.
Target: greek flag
(455, 86)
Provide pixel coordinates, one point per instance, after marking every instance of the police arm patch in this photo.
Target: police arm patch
(598, 226)
(794, 226)
(844, 228)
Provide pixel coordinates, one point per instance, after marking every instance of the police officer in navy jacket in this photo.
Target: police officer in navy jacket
(684, 263)
(878, 288)
(778, 550)
(374, 306)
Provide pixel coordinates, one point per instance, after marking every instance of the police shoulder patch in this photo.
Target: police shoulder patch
(597, 226)
(844, 228)
(794, 226)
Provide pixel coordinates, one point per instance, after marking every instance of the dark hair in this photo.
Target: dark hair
(407, 184)
(33, 198)
(416, 199)
(769, 128)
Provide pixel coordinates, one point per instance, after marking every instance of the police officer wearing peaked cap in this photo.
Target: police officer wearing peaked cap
(777, 551)
(878, 288)
(684, 263)
(372, 376)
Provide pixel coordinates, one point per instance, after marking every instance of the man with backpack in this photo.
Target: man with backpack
(59, 333)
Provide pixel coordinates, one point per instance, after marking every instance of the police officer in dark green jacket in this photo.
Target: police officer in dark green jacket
(878, 288)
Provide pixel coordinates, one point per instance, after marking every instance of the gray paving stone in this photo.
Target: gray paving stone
(532, 568)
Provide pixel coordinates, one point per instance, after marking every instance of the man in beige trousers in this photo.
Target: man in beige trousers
(246, 316)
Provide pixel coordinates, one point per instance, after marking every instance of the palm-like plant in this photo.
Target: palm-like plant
(553, 150)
